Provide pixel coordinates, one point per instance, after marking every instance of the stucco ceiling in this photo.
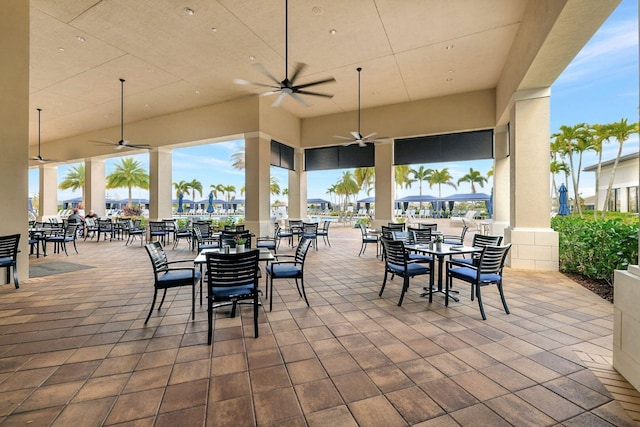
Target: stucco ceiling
(173, 61)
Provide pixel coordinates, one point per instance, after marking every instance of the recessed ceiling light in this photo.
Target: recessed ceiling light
(81, 39)
(197, 91)
(61, 49)
(449, 47)
(333, 31)
(449, 79)
(450, 71)
(189, 11)
(146, 105)
(317, 10)
(214, 29)
(252, 58)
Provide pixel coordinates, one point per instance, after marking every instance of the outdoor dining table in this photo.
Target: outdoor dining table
(201, 259)
(444, 250)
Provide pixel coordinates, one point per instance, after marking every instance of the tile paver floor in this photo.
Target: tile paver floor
(74, 350)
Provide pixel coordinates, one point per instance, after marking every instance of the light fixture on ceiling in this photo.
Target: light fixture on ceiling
(189, 11)
(333, 31)
(287, 86)
(123, 143)
(39, 158)
(356, 137)
(81, 39)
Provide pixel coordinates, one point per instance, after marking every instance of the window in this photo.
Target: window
(614, 202)
(632, 198)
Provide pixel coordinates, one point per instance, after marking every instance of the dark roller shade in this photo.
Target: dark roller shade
(341, 157)
(476, 145)
(282, 155)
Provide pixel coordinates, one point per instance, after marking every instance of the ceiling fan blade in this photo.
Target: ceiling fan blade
(343, 137)
(306, 92)
(104, 142)
(297, 69)
(361, 143)
(261, 68)
(318, 82)
(356, 135)
(299, 99)
(279, 99)
(249, 83)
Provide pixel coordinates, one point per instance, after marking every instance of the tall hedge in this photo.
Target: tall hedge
(595, 248)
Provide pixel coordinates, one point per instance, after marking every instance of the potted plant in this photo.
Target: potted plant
(240, 243)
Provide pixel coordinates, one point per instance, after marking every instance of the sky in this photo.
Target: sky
(599, 86)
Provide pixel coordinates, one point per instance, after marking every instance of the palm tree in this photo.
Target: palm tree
(274, 186)
(128, 174)
(228, 189)
(238, 159)
(347, 186)
(181, 188)
(601, 133)
(401, 175)
(421, 174)
(215, 189)
(441, 177)
(473, 177)
(331, 191)
(570, 140)
(195, 185)
(621, 131)
(365, 178)
(74, 179)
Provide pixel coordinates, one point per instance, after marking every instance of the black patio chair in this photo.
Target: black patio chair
(283, 233)
(90, 228)
(488, 271)
(105, 226)
(166, 277)
(60, 241)
(9, 256)
(134, 231)
(292, 268)
(368, 238)
(456, 239)
(479, 241)
(324, 232)
(269, 242)
(232, 238)
(310, 231)
(202, 242)
(158, 231)
(397, 263)
(231, 279)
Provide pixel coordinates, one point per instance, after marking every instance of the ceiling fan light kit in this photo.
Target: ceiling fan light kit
(287, 86)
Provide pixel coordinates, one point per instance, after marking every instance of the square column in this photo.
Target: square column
(14, 127)
(501, 180)
(385, 184)
(160, 185)
(535, 244)
(257, 211)
(48, 191)
(94, 186)
(298, 188)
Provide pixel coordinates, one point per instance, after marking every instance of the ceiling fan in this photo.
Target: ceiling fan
(356, 137)
(123, 143)
(39, 158)
(287, 86)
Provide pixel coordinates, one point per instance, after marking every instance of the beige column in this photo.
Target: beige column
(48, 192)
(298, 188)
(385, 184)
(535, 244)
(160, 185)
(501, 182)
(257, 214)
(94, 186)
(14, 127)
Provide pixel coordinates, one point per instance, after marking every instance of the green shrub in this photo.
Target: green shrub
(595, 248)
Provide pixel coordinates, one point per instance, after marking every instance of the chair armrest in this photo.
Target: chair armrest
(284, 256)
(452, 261)
(179, 260)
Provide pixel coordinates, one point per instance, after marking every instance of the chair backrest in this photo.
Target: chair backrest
(240, 227)
(230, 270)
(301, 250)
(394, 251)
(463, 233)
(295, 225)
(492, 259)
(396, 226)
(90, 222)
(231, 238)
(158, 257)
(325, 226)
(203, 228)
(310, 228)
(421, 235)
(404, 236)
(363, 229)
(387, 232)
(480, 240)
(71, 230)
(104, 224)
(157, 226)
(432, 227)
(9, 246)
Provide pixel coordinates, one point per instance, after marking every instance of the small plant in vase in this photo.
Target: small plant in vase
(438, 241)
(240, 243)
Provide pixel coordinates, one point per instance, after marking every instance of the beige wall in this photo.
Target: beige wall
(14, 125)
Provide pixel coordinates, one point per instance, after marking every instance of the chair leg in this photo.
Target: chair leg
(405, 287)
(153, 303)
(271, 293)
(384, 282)
(162, 301)
(303, 292)
(504, 301)
(255, 314)
(484, 316)
(362, 248)
(74, 246)
(15, 276)
(209, 320)
(193, 301)
(64, 246)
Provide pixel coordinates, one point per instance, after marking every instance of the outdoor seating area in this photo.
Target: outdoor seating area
(348, 357)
